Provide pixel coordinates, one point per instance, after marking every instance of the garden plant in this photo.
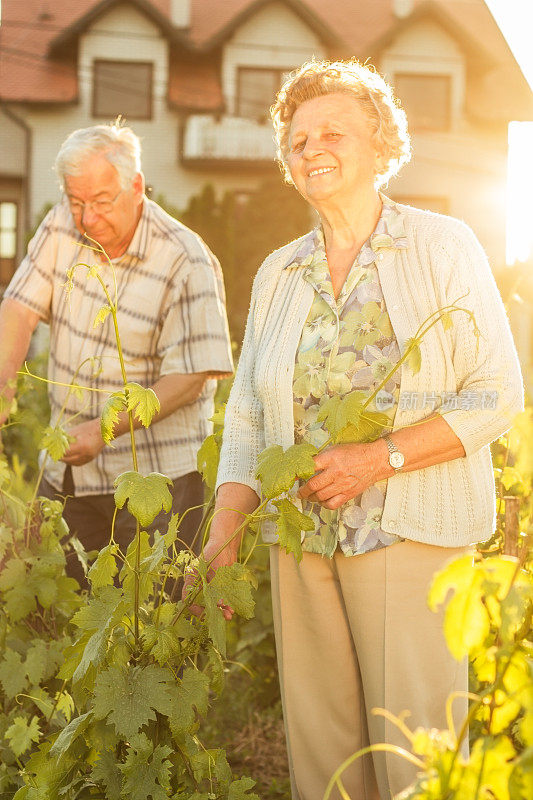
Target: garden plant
(103, 694)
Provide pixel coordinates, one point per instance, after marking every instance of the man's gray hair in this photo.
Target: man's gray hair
(119, 145)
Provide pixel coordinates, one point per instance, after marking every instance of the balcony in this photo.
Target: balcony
(227, 142)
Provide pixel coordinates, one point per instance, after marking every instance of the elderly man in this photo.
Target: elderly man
(172, 325)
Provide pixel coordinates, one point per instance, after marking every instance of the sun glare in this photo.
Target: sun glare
(515, 18)
(520, 193)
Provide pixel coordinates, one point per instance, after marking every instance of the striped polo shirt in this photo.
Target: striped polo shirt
(171, 317)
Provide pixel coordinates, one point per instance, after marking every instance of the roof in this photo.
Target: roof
(38, 45)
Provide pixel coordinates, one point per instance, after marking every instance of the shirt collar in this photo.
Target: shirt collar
(389, 233)
(138, 246)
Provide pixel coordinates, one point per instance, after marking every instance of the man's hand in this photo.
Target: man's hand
(343, 472)
(86, 443)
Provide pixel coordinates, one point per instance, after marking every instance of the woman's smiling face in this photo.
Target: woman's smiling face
(332, 150)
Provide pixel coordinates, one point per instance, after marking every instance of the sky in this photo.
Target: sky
(515, 18)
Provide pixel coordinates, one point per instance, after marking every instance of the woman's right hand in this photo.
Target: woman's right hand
(225, 558)
(234, 502)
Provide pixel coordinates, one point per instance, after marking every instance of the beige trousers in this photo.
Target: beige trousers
(353, 634)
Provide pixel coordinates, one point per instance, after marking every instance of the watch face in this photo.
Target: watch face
(396, 460)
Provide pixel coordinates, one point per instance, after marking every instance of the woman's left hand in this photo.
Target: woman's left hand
(343, 472)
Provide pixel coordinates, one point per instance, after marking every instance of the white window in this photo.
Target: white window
(426, 100)
(122, 87)
(256, 90)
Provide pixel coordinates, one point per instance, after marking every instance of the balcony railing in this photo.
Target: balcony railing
(227, 139)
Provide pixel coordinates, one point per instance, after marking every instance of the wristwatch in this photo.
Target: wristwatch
(396, 459)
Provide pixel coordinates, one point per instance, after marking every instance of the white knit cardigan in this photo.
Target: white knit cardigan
(450, 504)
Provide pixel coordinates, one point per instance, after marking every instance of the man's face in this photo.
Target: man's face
(98, 183)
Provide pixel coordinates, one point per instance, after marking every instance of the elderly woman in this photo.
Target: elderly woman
(332, 312)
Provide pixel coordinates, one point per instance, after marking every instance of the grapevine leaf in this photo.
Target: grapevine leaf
(20, 600)
(102, 315)
(369, 427)
(36, 659)
(239, 790)
(69, 734)
(106, 770)
(211, 764)
(289, 526)
(97, 618)
(104, 569)
(278, 470)
(234, 584)
(509, 477)
(143, 403)
(146, 496)
(466, 620)
(21, 734)
(218, 417)
(12, 675)
(190, 695)
(109, 416)
(147, 773)
(13, 572)
(55, 441)
(488, 768)
(127, 573)
(207, 460)
(414, 359)
(216, 625)
(161, 641)
(128, 697)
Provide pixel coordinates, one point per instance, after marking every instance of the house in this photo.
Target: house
(195, 79)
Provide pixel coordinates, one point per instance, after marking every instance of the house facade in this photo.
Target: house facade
(195, 78)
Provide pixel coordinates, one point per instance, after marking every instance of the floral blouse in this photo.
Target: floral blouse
(347, 344)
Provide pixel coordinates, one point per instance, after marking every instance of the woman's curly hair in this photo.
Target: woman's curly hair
(319, 78)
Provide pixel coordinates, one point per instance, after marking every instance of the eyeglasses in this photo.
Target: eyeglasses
(98, 206)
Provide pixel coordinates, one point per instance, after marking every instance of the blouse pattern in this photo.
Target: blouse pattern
(347, 343)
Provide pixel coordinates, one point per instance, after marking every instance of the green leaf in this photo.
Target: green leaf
(107, 772)
(13, 572)
(239, 790)
(22, 733)
(466, 620)
(98, 617)
(509, 477)
(190, 695)
(146, 576)
(234, 584)
(147, 773)
(104, 568)
(488, 770)
(207, 460)
(69, 734)
(110, 414)
(101, 315)
(161, 642)
(143, 403)
(12, 674)
(55, 441)
(414, 359)
(128, 697)
(278, 470)
(20, 600)
(36, 665)
(146, 496)
(289, 526)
